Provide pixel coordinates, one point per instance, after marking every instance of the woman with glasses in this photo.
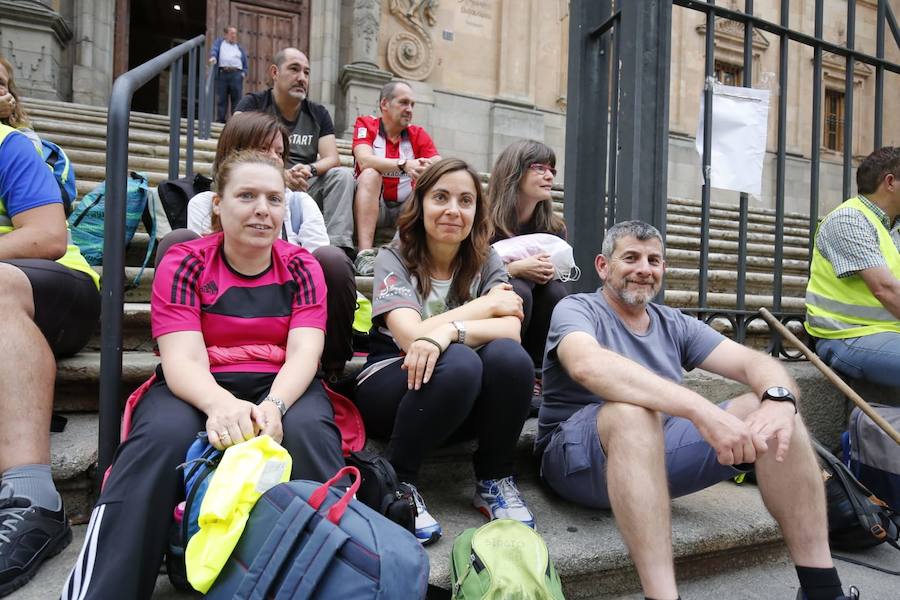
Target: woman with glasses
(520, 201)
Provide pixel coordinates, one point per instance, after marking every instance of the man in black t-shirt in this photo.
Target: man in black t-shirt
(314, 165)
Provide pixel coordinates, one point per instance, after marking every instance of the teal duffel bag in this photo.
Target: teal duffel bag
(503, 559)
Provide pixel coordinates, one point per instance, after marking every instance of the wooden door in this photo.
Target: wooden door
(264, 30)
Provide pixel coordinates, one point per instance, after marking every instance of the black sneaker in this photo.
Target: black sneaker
(29, 535)
(853, 594)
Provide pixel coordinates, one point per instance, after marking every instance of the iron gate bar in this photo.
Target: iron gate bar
(706, 189)
(646, 33)
(605, 26)
(780, 157)
(895, 30)
(816, 142)
(587, 135)
(797, 36)
(112, 291)
(613, 156)
(174, 117)
(879, 74)
(741, 291)
(189, 130)
(848, 101)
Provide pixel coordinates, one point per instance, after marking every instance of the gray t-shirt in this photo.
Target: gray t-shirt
(674, 342)
(394, 287)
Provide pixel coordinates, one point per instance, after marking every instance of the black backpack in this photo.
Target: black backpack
(381, 490)
(175, 195)
(857, 519)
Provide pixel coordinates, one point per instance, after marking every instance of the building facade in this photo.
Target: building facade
(485, 72)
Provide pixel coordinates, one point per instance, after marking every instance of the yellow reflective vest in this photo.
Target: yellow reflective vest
(72, 258)
(844, 307)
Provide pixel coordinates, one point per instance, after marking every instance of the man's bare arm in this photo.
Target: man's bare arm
(366, 159)
(751, 367)
(328, 154)
(616, 378)
(39, 232)
(884, 286)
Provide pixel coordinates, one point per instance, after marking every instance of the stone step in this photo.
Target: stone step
(677, 257)
(77, 391)
(764, 571)
(719, 529)
(721, 280)
(724, 525)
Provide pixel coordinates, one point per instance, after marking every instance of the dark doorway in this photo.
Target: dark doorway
(154, 28)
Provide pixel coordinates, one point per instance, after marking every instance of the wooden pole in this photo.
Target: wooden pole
(831, 375)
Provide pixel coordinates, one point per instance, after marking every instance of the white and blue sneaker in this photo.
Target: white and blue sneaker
(427, 529)
(501, 499)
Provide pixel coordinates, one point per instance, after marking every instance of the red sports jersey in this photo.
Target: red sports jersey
(195, 289)
(414, 142)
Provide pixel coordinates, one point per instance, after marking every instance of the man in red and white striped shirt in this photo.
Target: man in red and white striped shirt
(390, 155)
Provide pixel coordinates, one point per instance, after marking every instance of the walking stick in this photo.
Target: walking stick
(832, 377)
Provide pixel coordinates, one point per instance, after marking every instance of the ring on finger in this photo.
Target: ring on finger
(224, 434)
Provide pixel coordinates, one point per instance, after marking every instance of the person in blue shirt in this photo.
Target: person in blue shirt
(49, 305)
(230, 60)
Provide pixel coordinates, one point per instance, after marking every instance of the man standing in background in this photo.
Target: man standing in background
(231, 61)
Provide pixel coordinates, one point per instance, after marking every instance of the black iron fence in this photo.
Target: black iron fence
(112, 292)
(617, 129)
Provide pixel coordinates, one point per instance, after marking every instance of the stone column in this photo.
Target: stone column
(362, 79)
(92, 70)
(324, 52)
(513, 115)
(33, 38)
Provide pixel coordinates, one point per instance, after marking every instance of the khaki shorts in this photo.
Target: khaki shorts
(574, 463)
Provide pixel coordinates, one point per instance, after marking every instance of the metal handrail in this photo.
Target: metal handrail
(113, 289)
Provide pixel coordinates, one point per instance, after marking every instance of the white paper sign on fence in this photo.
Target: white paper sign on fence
(739, 128)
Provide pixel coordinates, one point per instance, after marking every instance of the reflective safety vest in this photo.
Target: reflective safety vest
(72, 258)
(844, 307)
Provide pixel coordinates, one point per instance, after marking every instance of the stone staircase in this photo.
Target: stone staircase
(725, 527)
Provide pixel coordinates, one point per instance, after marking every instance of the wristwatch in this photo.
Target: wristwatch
(277, 402)
(460, 331)
(780, 394)
(313, 171)
(401, 162)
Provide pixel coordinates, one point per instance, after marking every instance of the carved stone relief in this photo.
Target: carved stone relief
(410, 54)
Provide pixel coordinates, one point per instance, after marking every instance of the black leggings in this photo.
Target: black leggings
(538, 302)
(130, 523)
(483, 394)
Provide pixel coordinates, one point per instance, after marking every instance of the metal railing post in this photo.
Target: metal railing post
(174, 119)
(706, 190)
(646, 34)
(112, 292)
(586, 133)
(191, 112)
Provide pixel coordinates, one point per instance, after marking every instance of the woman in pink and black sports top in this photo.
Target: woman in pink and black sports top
(239, 317)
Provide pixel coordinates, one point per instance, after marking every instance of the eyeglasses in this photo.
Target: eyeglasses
(541, 168)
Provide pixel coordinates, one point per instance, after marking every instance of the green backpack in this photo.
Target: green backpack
(500, 560)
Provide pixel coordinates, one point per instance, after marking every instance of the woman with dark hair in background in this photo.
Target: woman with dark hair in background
(520, 201)
(444, 353)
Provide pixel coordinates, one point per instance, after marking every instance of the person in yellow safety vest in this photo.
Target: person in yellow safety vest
(853, 295)
(50, 304)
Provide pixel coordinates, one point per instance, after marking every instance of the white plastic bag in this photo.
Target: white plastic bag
(523, 246)
(739, 129)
